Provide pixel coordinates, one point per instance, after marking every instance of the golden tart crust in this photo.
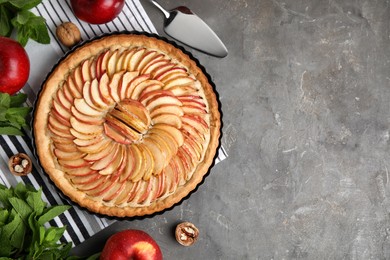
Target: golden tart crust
(126, 125)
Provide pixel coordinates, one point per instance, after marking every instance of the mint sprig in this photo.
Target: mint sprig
(13, 114)
(16, 15)
(23, 230)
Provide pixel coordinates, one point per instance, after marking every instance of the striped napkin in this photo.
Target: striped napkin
(80, 223)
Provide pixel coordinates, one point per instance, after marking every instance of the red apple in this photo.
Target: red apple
(14, 66)
(131, 244)
(97, 11)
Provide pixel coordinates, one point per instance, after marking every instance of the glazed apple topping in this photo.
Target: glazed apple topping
(129, 126)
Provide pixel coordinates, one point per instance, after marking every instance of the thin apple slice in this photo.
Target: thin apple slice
(140, 192)
(137, 80)
(66, 147)
(138, 89)
(122, 128)
(174, 132)
(193, 153)
(66, 156)
(135, 59)
(104, 89)
(105, 161)
(170, 119)
(184, 90)
(124, 194)
(88, 98)
(160, 186)
(126, 58)
(167, 152)
(93, 184)
(166, 141)
(88, 142)
(78, 78)
(194, 110)
(60, 133)
(137, 173)
(82, 171)
(61, 98)
(85, 71)
(114, 165)
(144, 65)
(143, 200)
(115, 135)
(82, 180)
(191, 100)
(96, 147)
(76, 134)
(148, 162)
(62, 140)
(168, 138)
(114, 191)
(160, 100)
(172, 72)
(178, 81)
(145, 59)
(106, 153)
(136, 108)
(61, 110)
(167, 109)
(111, 63)
(130, 119)
(92, 68)
(161, 69)
(85, 109)
(53, 122)
(145, 97)
(196, 121)
(130, 165)
(68, 95)
(61, 119)
(96, 97)
(85, 128)
(93, 120)
(73, 89)
(158, 153)
(113, 86)
(127, 78)
(78, 163)
(192, 131)
(155, 64)
(170, 180)
(134, 191)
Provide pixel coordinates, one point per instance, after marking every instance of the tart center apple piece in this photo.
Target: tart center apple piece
(131, 128)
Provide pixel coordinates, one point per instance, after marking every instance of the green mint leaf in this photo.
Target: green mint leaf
(23, 4)
(5, 24)
(5, 194)
(21, 207)
(5, 100)
(51, 213)
(30, 26)
(6, 234)
(9, 130)
(4, 214)
(18, 99)
(17, 238)
(34, 199)
(52, 235)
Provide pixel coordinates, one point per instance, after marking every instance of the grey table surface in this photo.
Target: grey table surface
(305, 94)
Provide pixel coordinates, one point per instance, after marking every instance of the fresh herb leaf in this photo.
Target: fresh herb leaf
(12, 114)
(51, 213)
(16, 14)
(23, 230)
(18, 99)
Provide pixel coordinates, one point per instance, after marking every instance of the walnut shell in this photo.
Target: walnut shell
(68, 34)
(20, 164)
(186, 233)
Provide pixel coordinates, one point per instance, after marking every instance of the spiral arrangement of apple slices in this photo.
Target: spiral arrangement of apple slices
(129, 126)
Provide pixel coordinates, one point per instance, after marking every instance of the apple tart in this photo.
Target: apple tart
(126, 125)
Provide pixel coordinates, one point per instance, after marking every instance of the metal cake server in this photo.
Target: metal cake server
(183, 25)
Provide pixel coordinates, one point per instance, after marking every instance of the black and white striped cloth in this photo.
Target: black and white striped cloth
(80, 223)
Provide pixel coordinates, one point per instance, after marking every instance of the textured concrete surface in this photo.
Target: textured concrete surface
(305, 93)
